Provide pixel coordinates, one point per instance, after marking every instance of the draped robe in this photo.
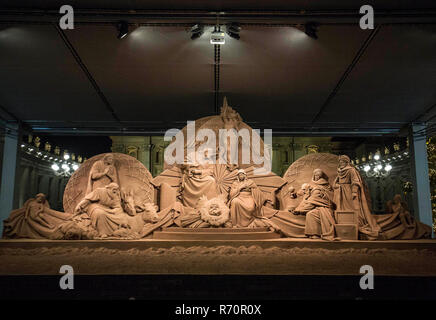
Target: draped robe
(105, 211)
(34, 220)
(397, 223)
(246, 201)
(347, 182)
(318, 209)
(196, 185)
(96, 181)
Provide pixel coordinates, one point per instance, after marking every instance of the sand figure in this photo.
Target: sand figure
(103, 205)
(317, 206)
(208, 213)
(103, 172)
(319, 178)
(197, 181)
(349, 194)
(34, 220)
(398, 223)
(399, 207)
(246, 201)
(214, 211)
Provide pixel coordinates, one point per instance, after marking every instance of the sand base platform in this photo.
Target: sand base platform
(271, 256)
(274, 269)
(215, 234)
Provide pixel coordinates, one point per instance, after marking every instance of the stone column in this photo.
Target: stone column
(11, 152)
(145, 152)
(150, 154)
(421, 183)
(33, 181)
(276, 158)
(54, 192)
(24, 186)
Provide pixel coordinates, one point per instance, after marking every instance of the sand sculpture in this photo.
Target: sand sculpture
(34, 220)
(113, 196)
(318, 207)
(131, 176)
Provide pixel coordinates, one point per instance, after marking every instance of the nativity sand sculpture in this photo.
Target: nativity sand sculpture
(113, 196)
(332, 184)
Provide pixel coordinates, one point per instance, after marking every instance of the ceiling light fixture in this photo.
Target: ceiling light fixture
(217, 36)
(123, 29)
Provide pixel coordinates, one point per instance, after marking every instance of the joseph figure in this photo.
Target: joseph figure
(103, 206)
(349, 195)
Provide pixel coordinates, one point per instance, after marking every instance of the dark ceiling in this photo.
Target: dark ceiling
(87, 81)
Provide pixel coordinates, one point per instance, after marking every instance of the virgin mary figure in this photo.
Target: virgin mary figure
(245, 202)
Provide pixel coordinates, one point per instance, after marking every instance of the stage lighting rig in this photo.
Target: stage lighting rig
(123, 29)
(196, 31)
(233, 30)
(217, 36)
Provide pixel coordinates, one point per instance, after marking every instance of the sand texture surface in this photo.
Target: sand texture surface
(220, 259)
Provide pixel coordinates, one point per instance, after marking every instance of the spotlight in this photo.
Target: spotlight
(311, 28)
(66, 156)
(196, 31)
(367, 168)
(123, 29)
(376, 156)
(388, 167)
(233, 30)
(217, 37)
(55, 167)
(65, 167)
(75, 167)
